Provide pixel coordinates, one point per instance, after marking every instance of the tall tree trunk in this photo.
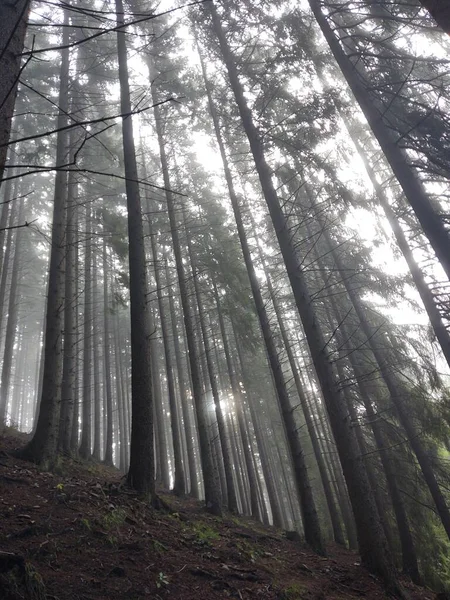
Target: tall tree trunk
(141, 472)
(212, 492)
(310, 518)
(223, 435)
(13, 17)
(107, 360)
(396, 392)
(86, 421)
(189, 427)
(179, 477)
(70, 333)
(372, 543)
(97, 446)
(11, 325)
(42, 447)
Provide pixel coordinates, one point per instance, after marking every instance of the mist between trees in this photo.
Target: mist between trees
(225, 254)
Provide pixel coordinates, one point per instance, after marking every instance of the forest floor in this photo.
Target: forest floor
(89, 538)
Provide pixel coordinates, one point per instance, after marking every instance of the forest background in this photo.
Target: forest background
(224, 258)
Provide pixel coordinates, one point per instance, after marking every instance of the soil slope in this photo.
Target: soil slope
(89, 538)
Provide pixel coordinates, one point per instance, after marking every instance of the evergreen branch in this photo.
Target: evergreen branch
(147, 17)
(88, 122)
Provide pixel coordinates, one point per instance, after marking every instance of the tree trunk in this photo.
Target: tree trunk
(179, 477)
(70, 332)
(372, 543)
(86, 421)
(13, 17)
(310, 518)
(141, 471)
(107, 359)
(188, 425)
(42, 448)
(11, 325)
(212, 492)
(432, 225)
(223, 435)
(97, 446)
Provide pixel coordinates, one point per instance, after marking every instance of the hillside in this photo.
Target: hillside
(89, 538)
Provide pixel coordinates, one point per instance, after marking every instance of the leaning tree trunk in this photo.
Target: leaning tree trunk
(372, 542)
(310, 518)
(395, 391)
(141, 471)
(432, 225)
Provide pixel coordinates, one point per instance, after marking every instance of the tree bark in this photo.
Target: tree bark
(107, 359)
(42, 448)
(141, 471)
(189, 427)
(11, 325)
(212, 492)
(179, 477)
(70, 332)
(310, 518)
(13, 17)
(372, 543)
(86, 421)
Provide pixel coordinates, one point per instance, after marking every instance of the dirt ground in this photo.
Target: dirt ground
(89, 538)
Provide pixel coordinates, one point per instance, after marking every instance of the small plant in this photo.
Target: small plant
(205, 534)
(249, 551)
(294, 592)
(114, 519)
(162, 580)
(86, 524)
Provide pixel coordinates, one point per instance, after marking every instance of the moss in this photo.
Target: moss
(295, 591)
(204, 533)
